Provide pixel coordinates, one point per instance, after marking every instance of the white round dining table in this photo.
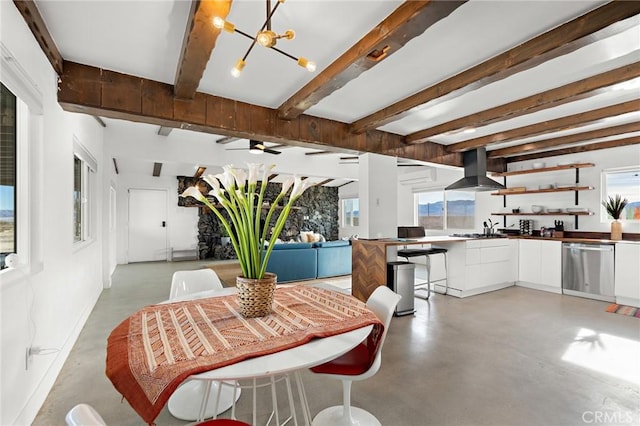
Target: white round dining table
(293, 360)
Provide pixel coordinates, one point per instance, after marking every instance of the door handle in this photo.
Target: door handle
(164, 224)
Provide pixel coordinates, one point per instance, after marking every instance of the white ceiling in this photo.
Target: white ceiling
(143, 38)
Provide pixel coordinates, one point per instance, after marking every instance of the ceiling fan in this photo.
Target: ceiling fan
(257, 147)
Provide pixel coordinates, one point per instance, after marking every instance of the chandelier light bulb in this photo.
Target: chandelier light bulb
(237, 70)
(289, 34)
(266, 38)
(218, 22)
(221, 24)
(305, 63)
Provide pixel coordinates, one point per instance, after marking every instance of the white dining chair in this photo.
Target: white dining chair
(84, 415)
(199, 399)
(184, 283)
(357, 365)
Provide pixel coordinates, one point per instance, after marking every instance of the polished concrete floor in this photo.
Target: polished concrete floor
(511, 357)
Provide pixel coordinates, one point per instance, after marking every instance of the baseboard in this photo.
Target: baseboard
(466, 293)
(541, 287)
(39, 395)
(628, 301)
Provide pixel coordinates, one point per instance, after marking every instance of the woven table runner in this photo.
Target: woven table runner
(150, 353)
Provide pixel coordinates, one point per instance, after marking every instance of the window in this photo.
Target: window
(445, 210)
(626, 183)
(84, 166)
(8, 133)
(350, 212)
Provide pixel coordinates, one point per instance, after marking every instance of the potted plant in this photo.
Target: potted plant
(615, 206)
(225, 239)
(235, 191)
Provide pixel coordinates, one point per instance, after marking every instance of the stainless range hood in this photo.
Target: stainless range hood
(475, 173)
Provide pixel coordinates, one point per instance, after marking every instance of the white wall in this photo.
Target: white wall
(378, 196)
(182, 222)
(603, 159)
(46, 302)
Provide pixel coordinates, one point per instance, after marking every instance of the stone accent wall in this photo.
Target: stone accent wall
(316, 210)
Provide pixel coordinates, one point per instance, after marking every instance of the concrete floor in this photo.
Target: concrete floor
(511, 357)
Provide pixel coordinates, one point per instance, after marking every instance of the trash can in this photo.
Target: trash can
(400, 280)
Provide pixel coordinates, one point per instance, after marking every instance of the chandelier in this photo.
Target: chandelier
(265, 37)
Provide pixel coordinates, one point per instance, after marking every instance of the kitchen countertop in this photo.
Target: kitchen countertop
(434, 239)
(572, 240)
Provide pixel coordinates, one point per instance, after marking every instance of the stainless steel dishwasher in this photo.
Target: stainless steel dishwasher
(587, 270)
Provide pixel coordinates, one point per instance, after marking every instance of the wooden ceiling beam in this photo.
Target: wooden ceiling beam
(32, 17)
(601, 23)
(562, 123)
(100, 121)
(409, 20)
(319, 153)
(566, 140)
(164, 131)
(198, 43)
(634, 140)
(578, 90)
(95, 91)
(157, 168)
(226, 140)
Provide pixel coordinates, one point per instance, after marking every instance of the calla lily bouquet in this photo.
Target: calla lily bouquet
(235, 191)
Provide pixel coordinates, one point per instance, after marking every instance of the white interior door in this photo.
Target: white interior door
(147, 225)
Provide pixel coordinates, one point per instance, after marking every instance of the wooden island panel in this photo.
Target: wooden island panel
(369, 267)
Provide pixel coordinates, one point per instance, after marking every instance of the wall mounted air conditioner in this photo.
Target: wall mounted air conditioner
(415, 178)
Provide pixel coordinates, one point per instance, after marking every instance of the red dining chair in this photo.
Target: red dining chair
(360, 363)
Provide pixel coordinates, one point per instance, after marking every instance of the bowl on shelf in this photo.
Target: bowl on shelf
(515, 210)
(545, 186)
(538, 165)
(554, 210)
(537, 209)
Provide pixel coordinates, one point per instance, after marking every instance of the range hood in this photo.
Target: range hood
(475, 173)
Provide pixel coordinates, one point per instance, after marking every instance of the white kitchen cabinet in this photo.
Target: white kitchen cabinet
(489, 265)
(540, 265)
(627, 273)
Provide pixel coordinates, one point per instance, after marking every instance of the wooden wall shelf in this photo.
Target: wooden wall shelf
(545, 214)
(538, 191)
(544, 169)
(518, 191)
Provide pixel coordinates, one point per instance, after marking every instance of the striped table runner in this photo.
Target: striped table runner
(150, 353)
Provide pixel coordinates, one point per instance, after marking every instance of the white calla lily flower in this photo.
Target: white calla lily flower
(299, 187)
(288, 182)
(194, 192)
(240, 176)
(213, 182)
(254, 171)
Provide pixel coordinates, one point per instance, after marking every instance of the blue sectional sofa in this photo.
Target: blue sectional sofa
(306, 261)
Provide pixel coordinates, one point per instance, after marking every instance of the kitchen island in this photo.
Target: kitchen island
(370, 257)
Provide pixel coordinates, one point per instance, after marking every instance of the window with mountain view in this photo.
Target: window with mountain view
(8, 108)
(445, 210)
(626, 183)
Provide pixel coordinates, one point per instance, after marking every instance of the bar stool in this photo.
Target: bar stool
(427, 253)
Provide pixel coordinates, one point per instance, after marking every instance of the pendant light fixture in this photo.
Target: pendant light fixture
(265, 37)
